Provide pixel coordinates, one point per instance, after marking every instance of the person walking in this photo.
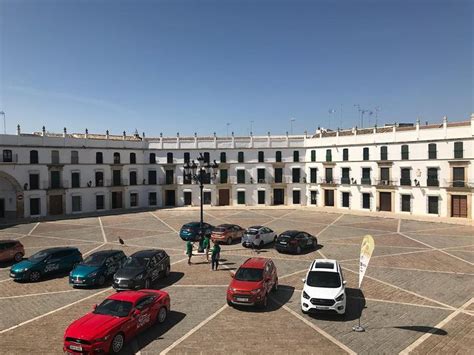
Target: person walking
(206, 244)
(189, 250)
(216, 254)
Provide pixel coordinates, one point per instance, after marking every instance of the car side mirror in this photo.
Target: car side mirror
(232, 274)
(303, 280)
(136, 312)
(94, 307)
(344, 282)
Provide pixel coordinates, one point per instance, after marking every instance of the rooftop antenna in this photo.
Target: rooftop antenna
(377, 110)
(331, 111)
(291, 124)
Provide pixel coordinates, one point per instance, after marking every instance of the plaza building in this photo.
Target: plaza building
(413, 169)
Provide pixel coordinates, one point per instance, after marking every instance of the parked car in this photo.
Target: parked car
(46, 262)
(227, 233)
(190, 231)
(252, 282)
(97, 268)
(295, 242)
(11, 250)
(141, 269)
(324, 288)
(258, 236)
(117, 320)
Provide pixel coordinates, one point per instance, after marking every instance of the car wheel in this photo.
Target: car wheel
(101, 280)
(162, 315)
(167, 271)
(298, 250)
(117, 343)
(18, 257)
(229, 241)
(147, 283)
(34, 276)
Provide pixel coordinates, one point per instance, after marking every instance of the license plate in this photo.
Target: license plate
(75, 347)
(241, 299)
(322, 307)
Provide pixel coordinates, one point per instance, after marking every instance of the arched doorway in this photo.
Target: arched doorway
(11, 197)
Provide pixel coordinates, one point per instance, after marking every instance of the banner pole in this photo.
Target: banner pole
(359, 328)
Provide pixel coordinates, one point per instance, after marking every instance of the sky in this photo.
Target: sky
(233, 66)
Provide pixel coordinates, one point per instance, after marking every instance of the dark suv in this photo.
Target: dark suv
(295, 242)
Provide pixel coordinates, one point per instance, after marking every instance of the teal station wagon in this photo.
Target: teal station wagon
(97, 268)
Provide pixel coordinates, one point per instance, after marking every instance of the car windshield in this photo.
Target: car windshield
(41, 255)
(191, 226)
(244, 274)
(252, 232)
(94, 260)
(219, 229)
(114, 308)
(136, 262)
(324, 279)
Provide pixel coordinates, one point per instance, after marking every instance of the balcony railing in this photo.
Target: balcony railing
(386, 182)
(405, 182)
(345, 180)
(366, 181)
(116, 182)
(460, 183)
(57, 185)
(432, 182)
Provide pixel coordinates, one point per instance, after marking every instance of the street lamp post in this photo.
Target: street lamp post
(200, 173)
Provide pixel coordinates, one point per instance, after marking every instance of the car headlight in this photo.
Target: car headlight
(231, 289)
(340, 297)
(305, 295)
(139, 277)
(101, 340)
(257, 290)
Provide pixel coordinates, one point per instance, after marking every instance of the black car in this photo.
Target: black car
(295, 242)
(141, 269)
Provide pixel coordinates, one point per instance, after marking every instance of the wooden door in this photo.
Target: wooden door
(385, 201)
(170, 198)
(278, 197)
(117, 199)
(187, 198)
(329, 198)
(224, 197)
(56, 205)
(459, 206)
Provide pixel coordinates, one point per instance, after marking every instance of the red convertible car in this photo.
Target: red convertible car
(115, 321)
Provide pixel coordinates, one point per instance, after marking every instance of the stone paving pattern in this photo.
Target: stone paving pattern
(421, 275)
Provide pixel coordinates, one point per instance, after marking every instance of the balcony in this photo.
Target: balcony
(390, 184)
(366, 181)
(405, 182)
(116, 182)
(167, 180)
(432, 182)
(345, 180)
(57, 185)
(329, 182)
(460, 185)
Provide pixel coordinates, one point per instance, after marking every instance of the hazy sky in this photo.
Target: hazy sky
(184, 66)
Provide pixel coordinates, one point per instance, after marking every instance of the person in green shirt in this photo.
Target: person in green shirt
(206, 244)
(216, 254)
(189, 250)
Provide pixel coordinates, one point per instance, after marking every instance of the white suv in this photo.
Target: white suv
(324, 288)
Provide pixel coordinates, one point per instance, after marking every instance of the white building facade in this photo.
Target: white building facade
(420, 170)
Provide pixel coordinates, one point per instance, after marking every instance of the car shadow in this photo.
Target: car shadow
(172, 278)
(153, 333)
(276, 300)
(59, 275)
(423, 329)
(354, 307)
(8, 264)
(304, 251)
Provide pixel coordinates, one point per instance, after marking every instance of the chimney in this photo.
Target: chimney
(107, 134)
(64, 132)
(18, 130)
(124, 134)
(87, 134)
(43, 131)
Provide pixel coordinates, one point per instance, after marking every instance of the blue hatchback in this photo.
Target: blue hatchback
(190, 231)
(97, 268)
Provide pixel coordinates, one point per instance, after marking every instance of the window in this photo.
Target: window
(223, 176)
(133, 199)
(7, 156)
(432, 177)
(152, 158)
(458, 177)
(240, 157)
(261, 157)
(55, 182)
(383, 153)
(261, 197)
(366, 180)
(313, 175)
(75, 179)
(133, 158)
(34, 181)
(55, 157)
(206, 197)
(74, 157)
(133, 178)
(296, 156)
(296, 197)
(207, 157)
(365, 154)
(223, 157)
(329, 176)
(116, 177)
(278, 156)
(152, 198)
(406, 203)
(35, 206)
(99, 202)
(169, 177)
(345, 179)
(345, 199)
(240, 176)
(169, 158)
(187, 198)
(405, 152)
(432, 154)
(433, 204)
(385, 175)
(328, 155)
(241, 197)
(261, 176)
(458, 150)
(99, 158)
(186, 158)
(366, 201)
(296, 175)
(34, 157)
(313, 155)
(278, 175)
(76, 204)
(345, 154)
(117, 158)
(405, 179)
(152, 177)
(314, 198)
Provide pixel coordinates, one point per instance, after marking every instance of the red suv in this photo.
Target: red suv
(252, 283)
(11, 250)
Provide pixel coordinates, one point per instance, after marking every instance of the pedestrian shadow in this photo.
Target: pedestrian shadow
(355, 304)
(155, 332)
(423, 329)
(172, 278)
(276, 300)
